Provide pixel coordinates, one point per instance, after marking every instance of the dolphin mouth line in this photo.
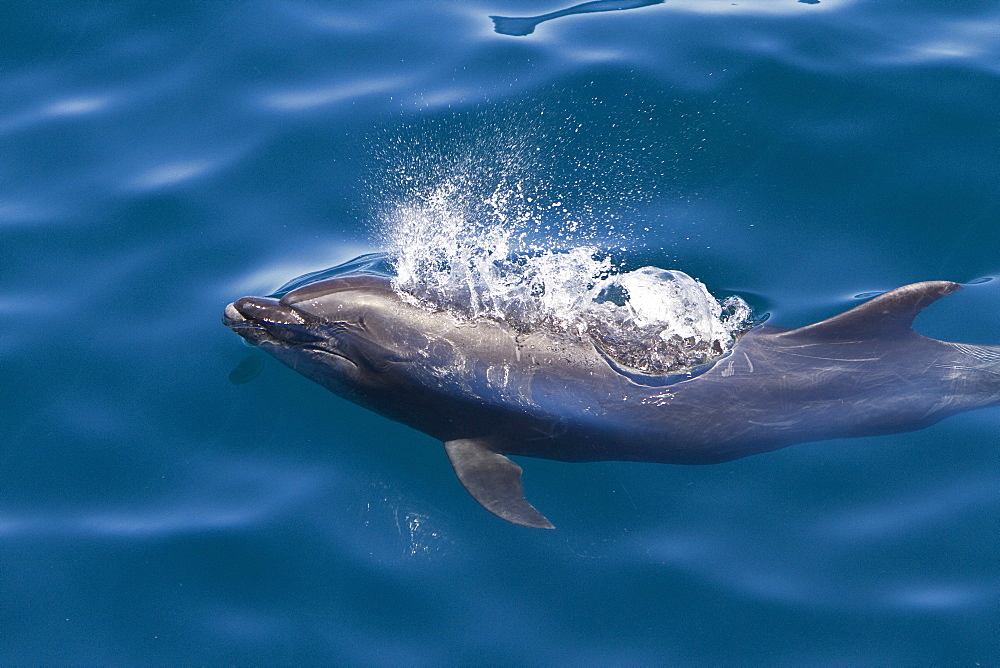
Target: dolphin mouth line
(326, 351)
(236, 327)
(239, 322)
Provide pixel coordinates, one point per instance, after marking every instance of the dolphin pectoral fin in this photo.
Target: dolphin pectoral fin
(889, 315)
(494, 481)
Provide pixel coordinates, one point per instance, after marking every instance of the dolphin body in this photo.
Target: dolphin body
(488, 391)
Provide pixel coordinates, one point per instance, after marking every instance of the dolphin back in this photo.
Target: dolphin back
(890, 315)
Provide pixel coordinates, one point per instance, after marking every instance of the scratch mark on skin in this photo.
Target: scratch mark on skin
(785, 423)
(826, 343)
(981, 354)
(963, 368)
(552, 430)
(661, 399)
(749, 363)
(833, 359)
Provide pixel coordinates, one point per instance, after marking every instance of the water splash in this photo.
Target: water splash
(481, 259)
(497, 255)
(513, 215)
(660, 321)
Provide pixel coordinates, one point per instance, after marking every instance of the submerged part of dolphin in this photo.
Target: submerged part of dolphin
(521, 26)
(488, 391)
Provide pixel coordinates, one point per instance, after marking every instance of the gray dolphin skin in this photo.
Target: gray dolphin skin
(488, 391)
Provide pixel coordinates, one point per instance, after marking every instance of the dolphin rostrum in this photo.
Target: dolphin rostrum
(488, 391)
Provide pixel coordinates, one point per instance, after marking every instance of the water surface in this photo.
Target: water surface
(159, 160)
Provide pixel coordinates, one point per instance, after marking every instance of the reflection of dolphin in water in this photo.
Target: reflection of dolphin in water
(520, 26)
(488, 391)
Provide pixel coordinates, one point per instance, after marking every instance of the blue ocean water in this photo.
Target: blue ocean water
(158, 160)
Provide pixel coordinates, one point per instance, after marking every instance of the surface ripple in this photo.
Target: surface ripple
(158, 160)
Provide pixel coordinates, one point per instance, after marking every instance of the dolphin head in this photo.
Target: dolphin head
(345, 333)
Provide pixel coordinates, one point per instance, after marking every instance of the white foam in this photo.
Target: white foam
(661, 321)
(478, 235)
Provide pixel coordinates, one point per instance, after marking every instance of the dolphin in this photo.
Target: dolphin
(489, 391)
(519, 26)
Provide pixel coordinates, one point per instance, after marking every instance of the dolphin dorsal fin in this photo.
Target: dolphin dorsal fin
(889, 315)
(494, 481)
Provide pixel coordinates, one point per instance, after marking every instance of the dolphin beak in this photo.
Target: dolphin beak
(231, 317)
(265, 310)
(261, 319)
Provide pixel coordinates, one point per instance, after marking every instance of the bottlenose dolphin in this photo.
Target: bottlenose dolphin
(488, 391)
(519, 26)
